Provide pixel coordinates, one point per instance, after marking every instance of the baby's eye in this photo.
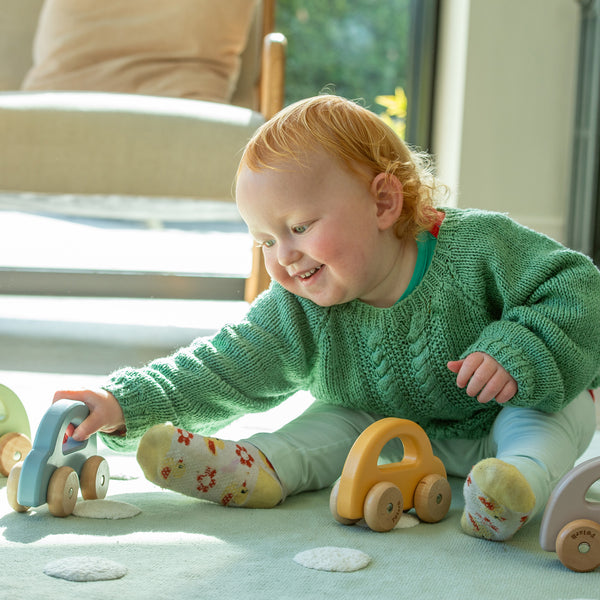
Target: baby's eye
(299, 228)
(267, 244)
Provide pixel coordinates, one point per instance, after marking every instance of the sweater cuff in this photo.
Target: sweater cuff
(141, 405)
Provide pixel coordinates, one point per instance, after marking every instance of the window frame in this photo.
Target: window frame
(422, 70)
(584, 213)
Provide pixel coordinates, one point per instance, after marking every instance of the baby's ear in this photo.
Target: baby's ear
(389, 198)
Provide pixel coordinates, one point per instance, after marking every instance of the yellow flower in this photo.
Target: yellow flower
(395, 110)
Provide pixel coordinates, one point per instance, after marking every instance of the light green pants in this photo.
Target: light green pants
(309, 452)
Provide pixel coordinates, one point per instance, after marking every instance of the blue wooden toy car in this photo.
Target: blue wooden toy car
(51, 473)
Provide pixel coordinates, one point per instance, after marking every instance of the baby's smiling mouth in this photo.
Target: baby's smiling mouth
(310, 273)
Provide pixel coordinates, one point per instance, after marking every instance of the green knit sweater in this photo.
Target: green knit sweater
(492, 286)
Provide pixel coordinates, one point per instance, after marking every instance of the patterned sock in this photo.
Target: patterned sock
(498, 500)
(229, 473)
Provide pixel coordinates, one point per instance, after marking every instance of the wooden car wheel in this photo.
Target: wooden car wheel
(14, 447)
(432, 498)
(94, 478)
(12, 487)
(578, 545)
(333, 497)
(383, 506)
(62, 491)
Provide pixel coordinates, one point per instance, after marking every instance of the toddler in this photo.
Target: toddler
(484, 332)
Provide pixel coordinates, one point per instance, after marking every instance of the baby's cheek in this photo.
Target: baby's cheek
(277, 272)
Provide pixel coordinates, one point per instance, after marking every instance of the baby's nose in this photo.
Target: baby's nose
(288, 255)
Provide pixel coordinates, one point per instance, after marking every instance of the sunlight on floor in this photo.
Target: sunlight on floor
(43, 241)
(17, 311)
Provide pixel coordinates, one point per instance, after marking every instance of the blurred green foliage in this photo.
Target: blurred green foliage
(354, 48)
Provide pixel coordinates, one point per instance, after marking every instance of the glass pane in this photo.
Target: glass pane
(357, 49)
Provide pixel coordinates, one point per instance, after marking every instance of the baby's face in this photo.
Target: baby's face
(318, 227)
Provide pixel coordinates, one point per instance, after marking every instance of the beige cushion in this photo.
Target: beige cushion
(182, 48)
(107, 143)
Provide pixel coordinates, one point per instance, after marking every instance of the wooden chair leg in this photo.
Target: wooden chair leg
(259, 279)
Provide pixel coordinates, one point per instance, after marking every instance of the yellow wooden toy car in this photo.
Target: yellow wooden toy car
(380, 493)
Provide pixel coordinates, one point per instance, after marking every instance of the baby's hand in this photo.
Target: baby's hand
(484, 377)
(105, 415)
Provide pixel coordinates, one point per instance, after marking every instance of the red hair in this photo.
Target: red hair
(355, 136)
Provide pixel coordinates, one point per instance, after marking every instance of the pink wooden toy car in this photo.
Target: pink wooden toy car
(571, 524)
(380, 493)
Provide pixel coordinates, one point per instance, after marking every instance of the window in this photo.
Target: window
(381, 52)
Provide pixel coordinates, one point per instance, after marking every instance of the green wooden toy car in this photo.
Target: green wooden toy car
(15, 434)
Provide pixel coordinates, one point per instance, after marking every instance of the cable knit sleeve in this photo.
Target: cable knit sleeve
(545, 300)
(248, 367)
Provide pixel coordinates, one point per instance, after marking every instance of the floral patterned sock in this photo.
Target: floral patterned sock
(229, 473)
(498, 500)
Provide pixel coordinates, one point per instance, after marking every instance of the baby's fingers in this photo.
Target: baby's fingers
(455, 365)
(87, 427)
(80, 395)
(105, 412)
(492, 388)
(508, 392)
(465, 370)
(484, 378)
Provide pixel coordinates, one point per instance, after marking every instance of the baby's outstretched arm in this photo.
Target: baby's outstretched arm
(105, 412)
(484, 377)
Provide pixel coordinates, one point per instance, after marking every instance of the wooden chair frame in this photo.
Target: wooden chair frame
(271, 100)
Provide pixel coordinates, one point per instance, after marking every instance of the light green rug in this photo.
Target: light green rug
(181, 548)
(178, 547)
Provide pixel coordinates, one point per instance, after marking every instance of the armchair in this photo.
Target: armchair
(92, 143)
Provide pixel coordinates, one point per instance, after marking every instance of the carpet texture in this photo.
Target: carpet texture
(178, 547)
